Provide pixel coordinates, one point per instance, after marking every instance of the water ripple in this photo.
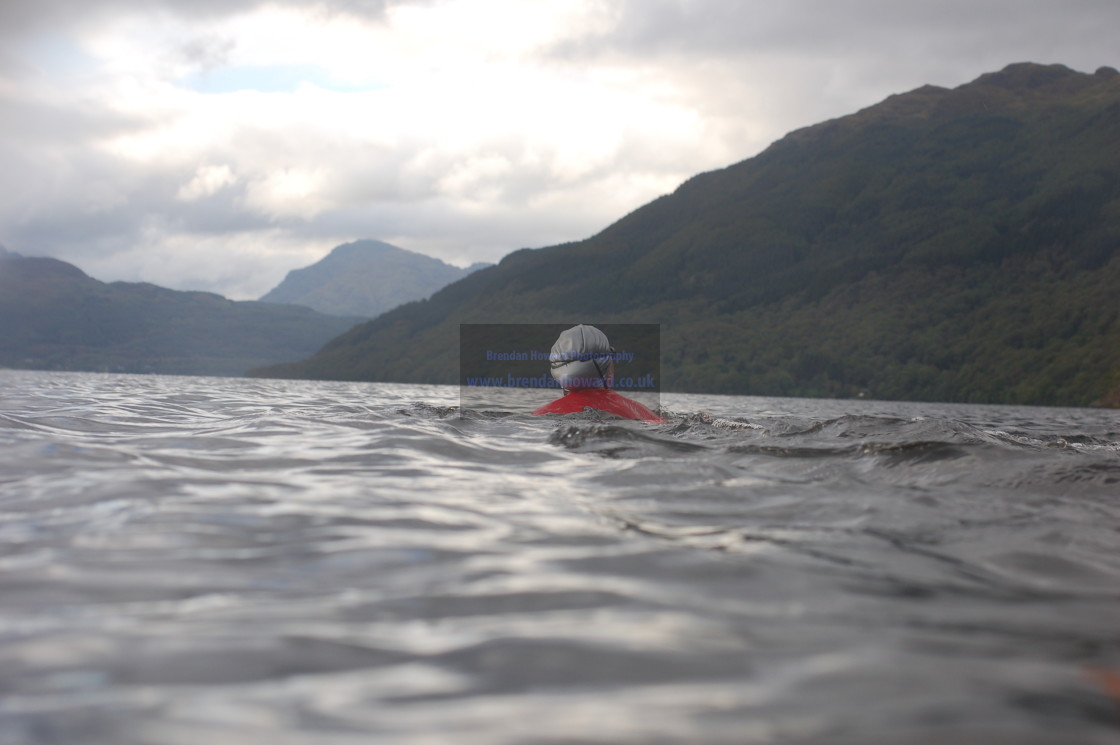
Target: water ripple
(253, 561)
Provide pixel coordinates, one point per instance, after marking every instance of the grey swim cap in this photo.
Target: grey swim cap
(581, 358)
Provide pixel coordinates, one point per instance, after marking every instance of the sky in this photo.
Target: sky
(217, 144)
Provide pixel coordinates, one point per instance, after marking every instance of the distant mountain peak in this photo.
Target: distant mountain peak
(1010, 91)
(363, 248)
(38, 268)
(1029, 76)
(365, 278)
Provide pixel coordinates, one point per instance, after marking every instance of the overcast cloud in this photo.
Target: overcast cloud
(217, 144)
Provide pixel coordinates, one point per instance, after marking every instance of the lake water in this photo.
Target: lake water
(229, 561)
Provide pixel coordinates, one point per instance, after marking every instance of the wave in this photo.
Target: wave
(273, 561)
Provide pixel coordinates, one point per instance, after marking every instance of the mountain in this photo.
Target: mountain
(55, 317)
(952, 245)
(365, 278)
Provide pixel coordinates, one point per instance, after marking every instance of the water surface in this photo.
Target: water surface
(193, 560)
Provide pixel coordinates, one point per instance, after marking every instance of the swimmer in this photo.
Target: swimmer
(582, 362)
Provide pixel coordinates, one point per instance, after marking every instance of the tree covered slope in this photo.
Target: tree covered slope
(953, 245)
(55, 317)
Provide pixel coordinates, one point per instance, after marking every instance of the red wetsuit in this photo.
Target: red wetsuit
(602, 399)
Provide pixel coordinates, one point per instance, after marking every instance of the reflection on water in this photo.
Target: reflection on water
(247, 561)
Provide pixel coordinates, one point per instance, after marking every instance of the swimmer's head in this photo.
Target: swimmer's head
(581, 358)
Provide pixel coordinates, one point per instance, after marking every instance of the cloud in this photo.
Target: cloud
(18, 18)
(207, 181)
(216, 144)
(289, 192)
(840, 30)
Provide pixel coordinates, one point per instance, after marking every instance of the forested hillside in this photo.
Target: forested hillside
(55, 317)
(953, 245)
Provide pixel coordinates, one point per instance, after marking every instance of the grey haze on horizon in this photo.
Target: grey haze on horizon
(218, 144)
